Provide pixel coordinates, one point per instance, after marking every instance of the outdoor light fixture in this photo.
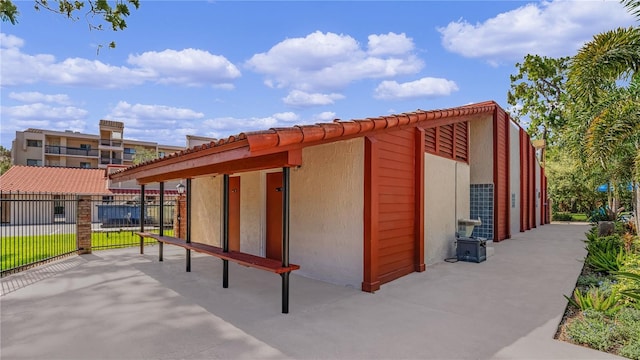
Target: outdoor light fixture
(180, 188)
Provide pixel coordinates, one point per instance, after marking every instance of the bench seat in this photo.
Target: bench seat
(241, 258)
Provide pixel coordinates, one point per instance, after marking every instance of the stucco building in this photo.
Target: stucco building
(38, 147)
(363, 202)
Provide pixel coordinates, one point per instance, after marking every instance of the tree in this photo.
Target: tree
(604, 88)
(538, 92)
(5, 159)
(112, 14)
(144, 155)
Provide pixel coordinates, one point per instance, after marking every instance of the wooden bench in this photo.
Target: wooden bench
(240, 258)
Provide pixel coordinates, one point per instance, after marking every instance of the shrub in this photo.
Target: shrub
(591, 329)
(628, 324)
(631, 350)
(606, 260)
(563, 216)
(596, 299)
(595, 279)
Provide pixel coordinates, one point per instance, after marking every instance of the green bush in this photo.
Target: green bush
(562, 216)
(628, 324)
(609, 260)
(631, 350)
(596, 299)
(592, 329)
(586, 281)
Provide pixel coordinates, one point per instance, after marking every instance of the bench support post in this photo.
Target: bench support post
(142, 218)
(188, 240)
(161, 220)
(225, 229)
(285, 238)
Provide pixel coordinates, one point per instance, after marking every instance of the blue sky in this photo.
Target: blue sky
(220, 68)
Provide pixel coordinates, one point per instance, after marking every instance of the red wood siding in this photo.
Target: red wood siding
(392, 209)
(524, 181)
(462, 141)
(449, 141)
(532, 185)
(501, 175)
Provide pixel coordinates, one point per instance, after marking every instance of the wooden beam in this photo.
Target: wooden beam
(270, 161)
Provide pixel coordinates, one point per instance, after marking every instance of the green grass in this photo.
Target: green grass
(565, 216)
(23, 250)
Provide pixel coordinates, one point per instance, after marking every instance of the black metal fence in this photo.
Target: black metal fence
(115, 219)
(35, 228)
(39, 227)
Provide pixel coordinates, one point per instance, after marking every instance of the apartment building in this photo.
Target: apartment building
(37, 147)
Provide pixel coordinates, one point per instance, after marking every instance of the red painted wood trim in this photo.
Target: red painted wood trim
(370, 281)
(532, 184)
(507, 129)
(524, 189)
(419, 196)
(438, 140)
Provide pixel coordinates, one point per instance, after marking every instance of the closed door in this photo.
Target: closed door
(234, 213)
(274, 216)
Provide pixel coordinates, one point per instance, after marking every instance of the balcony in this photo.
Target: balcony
(110, 161)
(108, 143)
(63, 150)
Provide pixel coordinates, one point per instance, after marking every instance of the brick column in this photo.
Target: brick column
(83, 225)
(180, 218)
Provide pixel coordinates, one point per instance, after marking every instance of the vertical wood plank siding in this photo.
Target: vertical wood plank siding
(501, 175)
(532, 184)
(524, 181)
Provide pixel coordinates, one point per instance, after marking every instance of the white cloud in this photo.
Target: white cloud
(325, 116)
(39, 111)
(425, 87)
(190, 67)
(35, 97)
(390, 44)
(10, 41)
(137, 115)
(549, 28)
(43, 116)
(301, 99)
(328, 61)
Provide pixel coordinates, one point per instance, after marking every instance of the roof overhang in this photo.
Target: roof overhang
(282, 147)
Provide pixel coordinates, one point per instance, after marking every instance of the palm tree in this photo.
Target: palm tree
(604, 86)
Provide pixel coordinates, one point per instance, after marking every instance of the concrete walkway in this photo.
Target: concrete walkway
(117, 304)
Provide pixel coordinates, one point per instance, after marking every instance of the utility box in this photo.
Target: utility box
(471, 249)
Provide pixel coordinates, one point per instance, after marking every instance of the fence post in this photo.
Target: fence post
(83, 225)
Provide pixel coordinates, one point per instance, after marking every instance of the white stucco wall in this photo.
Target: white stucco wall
(327, 206)
(538, 194)
(481, 150)
(514, 175)
(326, 218)
(446, 200)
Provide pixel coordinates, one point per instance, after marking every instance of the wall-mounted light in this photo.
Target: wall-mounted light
(180, 188)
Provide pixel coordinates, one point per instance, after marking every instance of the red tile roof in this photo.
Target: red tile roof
(282, 139)
(32, 179)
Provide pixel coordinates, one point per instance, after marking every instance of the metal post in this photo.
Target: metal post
(141, 218)
(188, 206)
(285, 238)
(161, 232)
(225, 229)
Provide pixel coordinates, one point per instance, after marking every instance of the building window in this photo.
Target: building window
(34, 143)
(129, 150)
(160, 154)
(34, 162)
(85, 165)
(85, 146)
(107, 199)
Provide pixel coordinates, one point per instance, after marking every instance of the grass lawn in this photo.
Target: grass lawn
(24, 250)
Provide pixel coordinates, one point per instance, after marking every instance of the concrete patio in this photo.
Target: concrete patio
(117, 304)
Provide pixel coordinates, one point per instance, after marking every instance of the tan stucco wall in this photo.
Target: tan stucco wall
(22, 152)
(514, 168)
(40, 210)
(481, 150)
(326, 218)
(327, 205)
(446, 201)
(205, 210)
